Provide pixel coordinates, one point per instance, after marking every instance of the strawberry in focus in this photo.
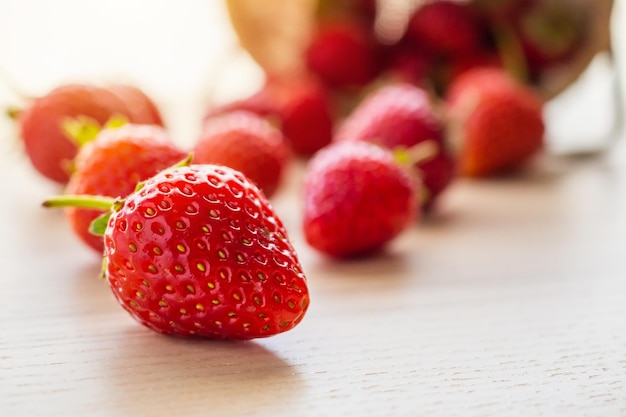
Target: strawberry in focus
(403, 116)
(357, 198)
(198, 251)
(245, 142)
(112, 165)
(496, 123)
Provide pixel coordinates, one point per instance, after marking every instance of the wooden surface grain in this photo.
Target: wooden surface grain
(509, 301)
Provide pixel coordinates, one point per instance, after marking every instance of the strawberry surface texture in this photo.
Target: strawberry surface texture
(199, 251)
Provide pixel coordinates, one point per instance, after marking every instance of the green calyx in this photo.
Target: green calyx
(108, 205)
(83, 129)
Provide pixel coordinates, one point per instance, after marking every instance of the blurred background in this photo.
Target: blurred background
(183, 54)
(186, 55)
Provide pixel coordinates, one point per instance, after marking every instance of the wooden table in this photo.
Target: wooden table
(509, 301)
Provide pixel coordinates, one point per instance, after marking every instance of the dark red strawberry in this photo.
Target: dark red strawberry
(409, 63)
(403, 116)
(343, 54)
(300, 107)
(445, 27)
(112, 165)
(496, 122)
(141, 108)
(357, 198)
(198, 251)
(248, 143)
(41, 125)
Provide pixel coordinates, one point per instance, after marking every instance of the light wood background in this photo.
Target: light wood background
(509, 301)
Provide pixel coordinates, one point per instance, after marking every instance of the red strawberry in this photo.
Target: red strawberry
(410, 64)
(50, 150)
(141, 108)
(497, 122)
(476, 59)
(445, 27)
(356, 199)
(343, 54)
(402, 115)
(112, 165)
(300, 106)
(198, 251)
(247, 143)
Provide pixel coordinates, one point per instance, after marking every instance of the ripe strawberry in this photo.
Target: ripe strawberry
(300, 106)
(50, 150)
(402, 116)
(343, 54)
(141, 108)
(445, 27)
(198, 251)
(497, 122)
(112, 165)
(245, 142)
(356, 199)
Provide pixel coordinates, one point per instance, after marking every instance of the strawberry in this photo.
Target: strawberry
(402, 116)
(141, 108)
(247, 143)
(198, 251)
(497, 123)
(342, 53)
(112, 165)
(300, 107)
(445, 27)
(410, 64)
(49, 149)
(357, 198)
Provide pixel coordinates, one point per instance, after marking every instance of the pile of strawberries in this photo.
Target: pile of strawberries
(193, 246)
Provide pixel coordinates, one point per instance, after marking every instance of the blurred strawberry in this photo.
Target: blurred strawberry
(357, 198)
(409, 63)
(482, 58)
(501, 11)
(247, 143)
(48, 147)
(446, 27)
(141, 108)
(496, 122)
(403, 116)
(300, 107)
(112, 165)
(343, 53)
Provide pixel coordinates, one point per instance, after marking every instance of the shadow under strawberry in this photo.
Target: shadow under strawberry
(227, 378)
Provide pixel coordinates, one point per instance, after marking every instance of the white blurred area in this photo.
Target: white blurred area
(185, 55)
(182, 53)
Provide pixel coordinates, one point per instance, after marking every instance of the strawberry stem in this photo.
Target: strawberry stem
(82, 201)
(416, 154)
